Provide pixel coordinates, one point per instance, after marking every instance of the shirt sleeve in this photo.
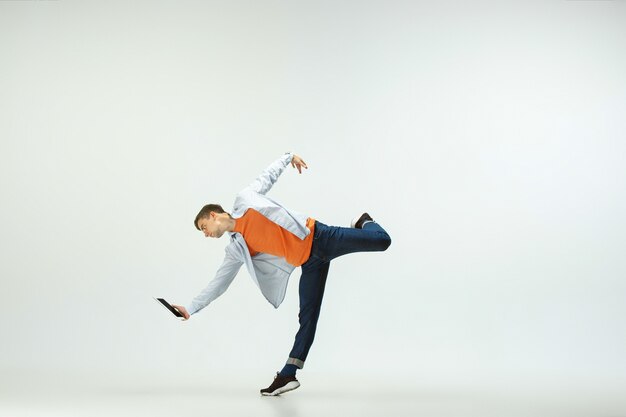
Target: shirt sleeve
(218, 285)
(269, 176)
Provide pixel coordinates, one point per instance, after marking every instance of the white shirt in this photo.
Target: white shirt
(269, 272)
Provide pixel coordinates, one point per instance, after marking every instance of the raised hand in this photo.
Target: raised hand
(297, 162)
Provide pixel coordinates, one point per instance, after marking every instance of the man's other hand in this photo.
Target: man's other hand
(182, 310)
(297, 162)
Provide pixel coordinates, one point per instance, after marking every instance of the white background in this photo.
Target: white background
(487, 138)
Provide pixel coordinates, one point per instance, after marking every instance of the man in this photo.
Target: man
(272, 241)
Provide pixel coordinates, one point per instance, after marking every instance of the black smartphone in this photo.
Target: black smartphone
(169, 307)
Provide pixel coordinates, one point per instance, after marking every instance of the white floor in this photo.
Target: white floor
(363, 397)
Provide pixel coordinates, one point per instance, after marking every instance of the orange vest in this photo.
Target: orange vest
(263, 235)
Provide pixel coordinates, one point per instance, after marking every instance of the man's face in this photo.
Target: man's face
(213, 226)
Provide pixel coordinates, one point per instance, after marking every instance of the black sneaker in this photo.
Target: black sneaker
(358, 221)
(281, 384)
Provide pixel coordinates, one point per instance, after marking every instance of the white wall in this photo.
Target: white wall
(488, 139)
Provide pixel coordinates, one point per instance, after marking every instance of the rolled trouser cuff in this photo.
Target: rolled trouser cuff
(295, 361)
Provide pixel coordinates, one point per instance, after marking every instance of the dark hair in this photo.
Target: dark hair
(206, 210)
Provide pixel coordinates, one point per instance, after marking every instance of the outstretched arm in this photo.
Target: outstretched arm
(264, 182)
(223, 278)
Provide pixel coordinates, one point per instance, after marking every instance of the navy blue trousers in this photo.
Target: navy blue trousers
(329, 242)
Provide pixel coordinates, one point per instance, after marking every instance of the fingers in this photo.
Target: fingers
(182, 310)
(297, 162)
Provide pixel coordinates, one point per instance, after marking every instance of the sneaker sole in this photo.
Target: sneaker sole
(356, 219)
(289, 386)
(354, 222)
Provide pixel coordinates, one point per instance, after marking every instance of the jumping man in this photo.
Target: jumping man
(272, 241)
